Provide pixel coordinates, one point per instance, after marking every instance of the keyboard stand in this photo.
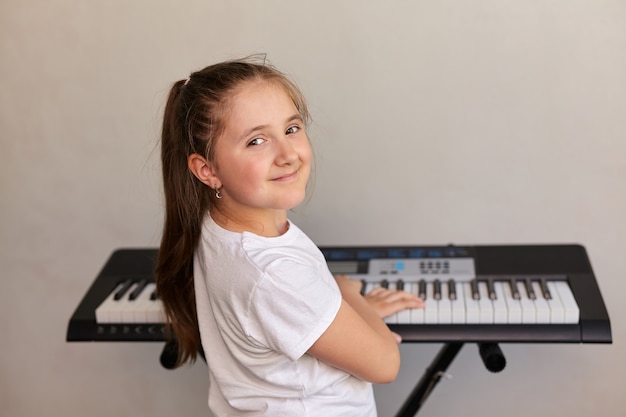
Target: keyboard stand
(490, 353)
(422, 390)
(169, 355)
(429, 380)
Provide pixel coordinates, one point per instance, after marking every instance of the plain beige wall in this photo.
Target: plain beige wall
(487, 121)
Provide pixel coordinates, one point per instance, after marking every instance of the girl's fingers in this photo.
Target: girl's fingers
(387, 302)
(392, 296)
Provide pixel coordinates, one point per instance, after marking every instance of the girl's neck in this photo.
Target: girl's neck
(267, 223)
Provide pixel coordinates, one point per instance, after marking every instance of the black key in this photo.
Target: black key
(384, 283)
(363, 285)
(491, 289)
(122, 291)
(529, 289)
(138, 289)
(543, 283)
(452, 289)
(437, 289)
(400, 285)
(474, 287)
(155, 296)
(514, 289)
(421, 289)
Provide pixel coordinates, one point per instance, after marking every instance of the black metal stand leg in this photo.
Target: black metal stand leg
(169, 355)
(429, 380)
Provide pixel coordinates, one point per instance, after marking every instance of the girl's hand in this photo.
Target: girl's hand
(384, 302)
(388, 302)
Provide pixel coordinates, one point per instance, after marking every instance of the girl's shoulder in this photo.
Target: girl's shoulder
(293, 249)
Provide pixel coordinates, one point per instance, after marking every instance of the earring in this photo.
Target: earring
(218, 195)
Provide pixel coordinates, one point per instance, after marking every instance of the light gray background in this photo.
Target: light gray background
(448, 121)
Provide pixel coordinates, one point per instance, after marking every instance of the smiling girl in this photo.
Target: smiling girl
(239, 280)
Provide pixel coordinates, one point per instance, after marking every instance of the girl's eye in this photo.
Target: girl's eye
(256, 141)
(292, 129)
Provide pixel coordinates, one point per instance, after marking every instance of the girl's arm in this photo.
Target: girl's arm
(358, 341)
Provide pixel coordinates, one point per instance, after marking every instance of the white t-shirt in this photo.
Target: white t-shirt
(262, 302)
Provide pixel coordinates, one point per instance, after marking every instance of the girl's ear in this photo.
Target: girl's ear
(203, 170)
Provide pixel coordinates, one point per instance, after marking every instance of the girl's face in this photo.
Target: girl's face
(263, 158)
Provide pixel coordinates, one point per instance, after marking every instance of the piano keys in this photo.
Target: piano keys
(131, 302)
(478, 294)
(538, 300)
(136, 302)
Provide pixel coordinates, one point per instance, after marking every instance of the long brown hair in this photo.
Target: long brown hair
(194, 118)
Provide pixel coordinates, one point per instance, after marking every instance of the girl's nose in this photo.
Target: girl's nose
(287, 153)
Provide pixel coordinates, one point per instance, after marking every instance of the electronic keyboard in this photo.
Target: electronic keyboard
(483, 294)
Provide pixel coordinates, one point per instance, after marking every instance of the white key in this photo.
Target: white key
(417, 314)
(458, 306)
(404, 316)
(557, 311)
(514, 307)
(142, 303)
(472, 307)
(155, 312)
(104, 309)
(484, 304)
(572, 312)
(542, 309)
(127, 306)
(431, 310)
(110, 310)
(528, 307)
(393, 319)
(369, 286)
(147, 310)
(445, 307)
(500, 310)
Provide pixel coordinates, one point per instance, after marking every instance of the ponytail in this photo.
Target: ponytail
(184, 208)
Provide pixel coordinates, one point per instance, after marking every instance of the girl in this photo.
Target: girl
(282, 336)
